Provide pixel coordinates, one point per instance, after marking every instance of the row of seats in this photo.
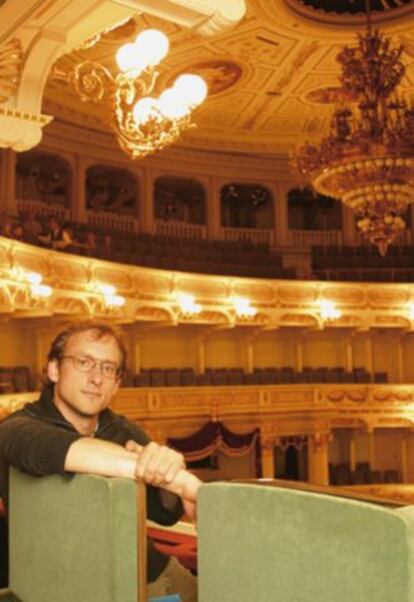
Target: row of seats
(341, 474)
(366, 275)
(363, 257)
(231, 258)
(184, 377)
(17, 379)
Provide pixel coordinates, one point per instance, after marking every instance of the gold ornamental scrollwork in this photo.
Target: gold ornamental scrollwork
(11, 64)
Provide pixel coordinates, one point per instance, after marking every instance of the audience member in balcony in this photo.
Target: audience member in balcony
(51, 233)
(107, 246)
(90, 243)
(7, 228)
(64, 239)
(71, 429)
(18, 233)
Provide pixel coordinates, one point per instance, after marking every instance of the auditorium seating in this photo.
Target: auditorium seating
(363, 263)
(78, 539)
(205, 256)
(271, 375)
(341, 474)
(262, 541)
(18, 379)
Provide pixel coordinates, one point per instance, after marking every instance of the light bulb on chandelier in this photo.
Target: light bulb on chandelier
(143, 123)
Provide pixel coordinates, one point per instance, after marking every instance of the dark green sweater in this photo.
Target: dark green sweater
(37, 438)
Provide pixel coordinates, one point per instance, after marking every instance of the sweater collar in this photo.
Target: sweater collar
(46, 409)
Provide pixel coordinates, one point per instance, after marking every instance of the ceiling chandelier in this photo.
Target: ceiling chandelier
(143, 123)
(367, 160)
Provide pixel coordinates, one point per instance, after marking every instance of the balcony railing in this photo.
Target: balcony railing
(40, 209)
(180, 229)
(111, 221)
(308, 238)
(253, 235)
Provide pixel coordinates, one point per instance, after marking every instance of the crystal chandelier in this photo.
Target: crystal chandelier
(367, 160)
(143, 123)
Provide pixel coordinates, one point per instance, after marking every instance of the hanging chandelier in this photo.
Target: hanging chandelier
(143, 123)
(367, 160)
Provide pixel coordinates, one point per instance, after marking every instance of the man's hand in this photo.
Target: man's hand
(163, 467)
(156, 464)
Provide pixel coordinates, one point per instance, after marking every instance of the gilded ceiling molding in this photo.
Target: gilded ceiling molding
(11, 62)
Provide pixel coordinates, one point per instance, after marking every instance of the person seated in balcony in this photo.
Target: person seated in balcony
(64, 239)
(18, 233)
(51, 233)
(7, 228)
(31, 229)
(71, 429)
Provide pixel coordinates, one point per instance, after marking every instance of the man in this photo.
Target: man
(70, 429)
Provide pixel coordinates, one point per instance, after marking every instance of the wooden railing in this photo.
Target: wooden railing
(39, 209)
(253, 235)
(308, 238)
(111, 221)
(180, 229)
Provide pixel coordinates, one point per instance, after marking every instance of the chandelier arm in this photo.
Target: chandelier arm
(92, 81)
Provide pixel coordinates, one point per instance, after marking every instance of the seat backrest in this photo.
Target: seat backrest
(75, 539)
(264, 543)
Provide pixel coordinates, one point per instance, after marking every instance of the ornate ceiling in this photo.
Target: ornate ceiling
(273, 77)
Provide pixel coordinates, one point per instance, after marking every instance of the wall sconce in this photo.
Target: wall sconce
(34, 280)
(328, 310)
(187, 304)
(110, 297)
(143, 123)
(243, 308)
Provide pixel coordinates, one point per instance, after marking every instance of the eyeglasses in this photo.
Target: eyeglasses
(86, 363)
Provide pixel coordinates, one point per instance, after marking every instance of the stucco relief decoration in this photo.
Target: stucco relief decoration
(338, 395)
(329, 95)
(389, 297)
(298, 319)
(11, 63)
(70, 306)
(220, 74)
(297, 294)
(345, 294)
(393, 395)
(153, 314)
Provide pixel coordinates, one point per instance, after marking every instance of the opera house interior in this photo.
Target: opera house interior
(238, 202)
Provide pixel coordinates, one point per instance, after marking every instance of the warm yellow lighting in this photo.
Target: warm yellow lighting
(153, 44)
(41, 290)
(411, 311)
(243, 307)
(188, 304)
(127, 58)
(171, 105)
(146, 109)
(33, 277)
(107, 289)
(143, 124)
(328, 310)
(192, 89)
(115, 300)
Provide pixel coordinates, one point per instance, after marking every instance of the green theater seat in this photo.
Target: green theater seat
(261, 543)
(76, 540)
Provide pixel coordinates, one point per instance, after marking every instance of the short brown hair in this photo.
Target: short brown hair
(101, 330)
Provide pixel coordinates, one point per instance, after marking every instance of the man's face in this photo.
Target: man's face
(81, 394)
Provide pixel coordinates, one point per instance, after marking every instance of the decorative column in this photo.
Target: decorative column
(146, 204)
(213, 207)
(281, 213)
(318, 472)
(369, 353)
(349, 235)
(299, 354)
(400, 360)
(201, 356)
(267, 447)
(349, 356)
(371, 443)
(249, 354)
(78, 209)
(352, 451)
(8, 182)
